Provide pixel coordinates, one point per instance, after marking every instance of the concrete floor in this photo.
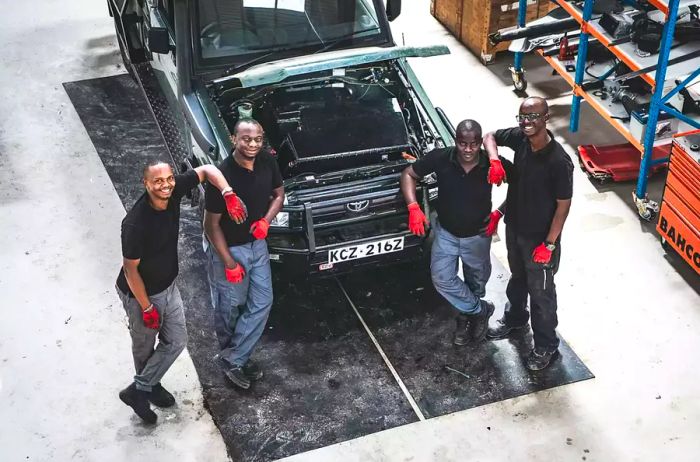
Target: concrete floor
(630, 312)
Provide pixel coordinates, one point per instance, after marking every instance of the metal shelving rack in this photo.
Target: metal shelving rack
(625, 52)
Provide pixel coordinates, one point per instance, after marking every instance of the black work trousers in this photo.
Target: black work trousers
(537, 281)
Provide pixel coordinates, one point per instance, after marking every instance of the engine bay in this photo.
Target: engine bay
(335, 120)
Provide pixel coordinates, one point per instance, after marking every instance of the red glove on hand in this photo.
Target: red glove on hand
(259, 229)
(541, 254)
(416, 219)
(151, 318)
(492, 226)
(496, 173)
(235, 207)
(235, 275)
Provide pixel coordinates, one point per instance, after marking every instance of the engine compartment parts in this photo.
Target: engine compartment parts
(334, 120)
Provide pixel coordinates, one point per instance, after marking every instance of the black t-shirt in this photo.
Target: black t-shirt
(540, 179)
(151, 236)
(253, 186)
(464, 199)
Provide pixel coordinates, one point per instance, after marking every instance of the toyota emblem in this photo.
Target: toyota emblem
(358, 206)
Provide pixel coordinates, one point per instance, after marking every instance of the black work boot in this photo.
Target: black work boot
(138, 401)
(480, 321)
(236, 375)
(160, 396)
(252, 371)
(503, 329)
(540, 358)
(461, 336)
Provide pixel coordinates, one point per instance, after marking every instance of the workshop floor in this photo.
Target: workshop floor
(627, 310)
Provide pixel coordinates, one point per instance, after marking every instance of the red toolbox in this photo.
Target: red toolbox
(679, 216)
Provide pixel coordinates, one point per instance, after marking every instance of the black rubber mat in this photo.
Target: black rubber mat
(414, 325)
(324, 382)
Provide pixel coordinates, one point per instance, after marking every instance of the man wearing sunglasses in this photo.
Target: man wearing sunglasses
(536, 207)
(463, 207)
(238, 262)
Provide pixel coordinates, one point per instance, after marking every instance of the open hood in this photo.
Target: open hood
(277, 71)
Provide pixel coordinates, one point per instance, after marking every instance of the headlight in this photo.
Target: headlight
(281, 220)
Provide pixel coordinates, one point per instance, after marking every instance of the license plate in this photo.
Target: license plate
(369, 249)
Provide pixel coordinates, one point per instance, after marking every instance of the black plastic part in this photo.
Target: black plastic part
(158, 40)
(393, 9)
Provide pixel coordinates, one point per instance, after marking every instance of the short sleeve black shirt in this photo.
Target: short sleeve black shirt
(540, 179)
(253, 186)
(464, 199)
(150, 235)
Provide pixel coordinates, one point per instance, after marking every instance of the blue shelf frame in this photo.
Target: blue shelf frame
(647, 209)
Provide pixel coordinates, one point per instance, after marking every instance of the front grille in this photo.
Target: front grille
(358, 208)
(365, 229)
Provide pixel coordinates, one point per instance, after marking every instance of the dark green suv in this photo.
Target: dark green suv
(343, 112)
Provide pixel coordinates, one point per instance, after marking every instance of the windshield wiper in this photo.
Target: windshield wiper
(250, 62)
(344, 38)
(256, 59)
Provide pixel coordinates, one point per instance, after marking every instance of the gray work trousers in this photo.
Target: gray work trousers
(240, 310)
(475, 254)
(152, 363)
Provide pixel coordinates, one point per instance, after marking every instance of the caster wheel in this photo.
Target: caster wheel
(520, 84)
(665, 245)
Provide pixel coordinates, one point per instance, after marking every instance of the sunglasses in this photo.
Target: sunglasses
(529, 117)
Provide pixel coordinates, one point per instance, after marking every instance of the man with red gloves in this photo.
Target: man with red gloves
(146, 282)
(464, 176)
(238, 266)
(536, 207)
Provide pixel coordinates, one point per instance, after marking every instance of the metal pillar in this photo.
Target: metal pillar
(647, 208)
(580, 65)
(517, 72)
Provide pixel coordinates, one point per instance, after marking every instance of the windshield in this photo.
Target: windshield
(244, 28)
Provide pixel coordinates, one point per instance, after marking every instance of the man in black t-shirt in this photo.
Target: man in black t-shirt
(463, 209)
(536, 207)
(238, 260)
(146, 282)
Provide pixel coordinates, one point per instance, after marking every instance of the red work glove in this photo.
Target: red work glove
(151, 318)
(492, 226)
(235, 207)
(496, 173)
(541, 254)
(259, 229)
(235, 275)
(416, 219)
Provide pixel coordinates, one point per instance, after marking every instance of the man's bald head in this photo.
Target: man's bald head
(535, 104)
(469, 126)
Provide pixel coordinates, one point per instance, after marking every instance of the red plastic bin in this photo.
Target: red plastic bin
(617, 162)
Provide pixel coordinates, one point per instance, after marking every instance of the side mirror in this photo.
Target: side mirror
(158, 40)
(393, 9)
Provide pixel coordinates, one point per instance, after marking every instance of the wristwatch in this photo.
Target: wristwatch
(550, 246)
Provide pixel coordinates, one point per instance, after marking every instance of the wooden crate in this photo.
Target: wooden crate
(471, 21)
